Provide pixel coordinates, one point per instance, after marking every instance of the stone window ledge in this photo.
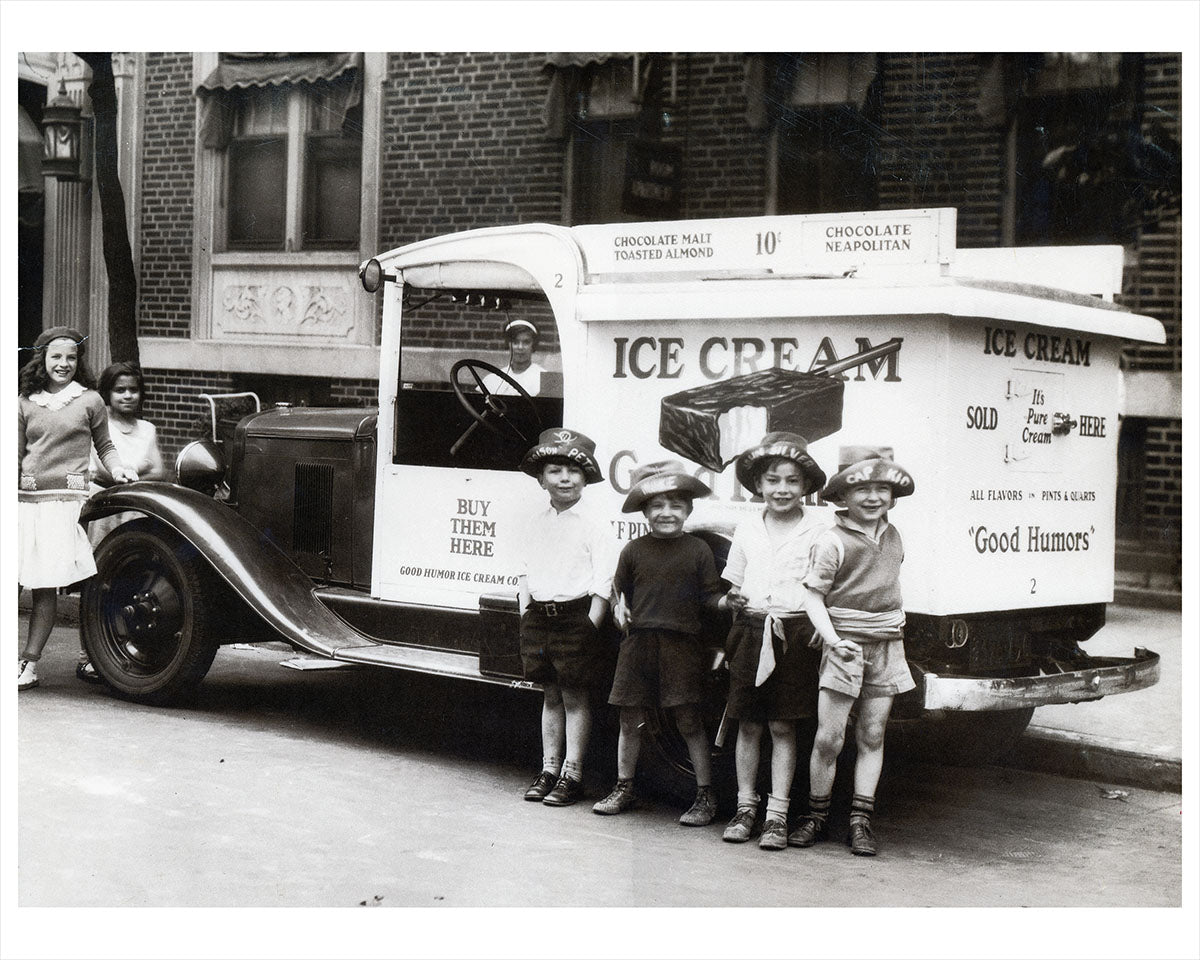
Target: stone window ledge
(302, 360)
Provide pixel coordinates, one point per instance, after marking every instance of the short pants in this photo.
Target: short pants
(879, 670)
(790, 692)
(564, 650)
(658, 667)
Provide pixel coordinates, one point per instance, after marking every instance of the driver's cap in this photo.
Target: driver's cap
(517, 325)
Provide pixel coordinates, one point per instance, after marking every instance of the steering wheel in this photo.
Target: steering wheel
(493, 406)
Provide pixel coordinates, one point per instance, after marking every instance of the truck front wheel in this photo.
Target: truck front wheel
(147, 618)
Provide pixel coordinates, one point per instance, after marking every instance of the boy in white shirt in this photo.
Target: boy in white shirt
(772, 669)
(563, 593)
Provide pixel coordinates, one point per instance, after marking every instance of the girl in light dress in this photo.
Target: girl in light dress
(60, 418)
(123, 389)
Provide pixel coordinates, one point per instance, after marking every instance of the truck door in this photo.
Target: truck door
(449, 494)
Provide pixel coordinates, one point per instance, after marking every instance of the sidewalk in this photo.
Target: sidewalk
(1133, 739)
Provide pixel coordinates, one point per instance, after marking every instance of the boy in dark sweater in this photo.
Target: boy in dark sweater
(662, 582)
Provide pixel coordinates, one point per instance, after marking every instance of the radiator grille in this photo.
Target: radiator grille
(312, 511)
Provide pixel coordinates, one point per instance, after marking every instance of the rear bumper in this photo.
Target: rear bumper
(1102, 677)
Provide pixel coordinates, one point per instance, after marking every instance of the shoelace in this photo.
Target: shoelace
(864, 827)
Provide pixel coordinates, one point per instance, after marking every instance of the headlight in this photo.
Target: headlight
(201, 466)
(372, 275)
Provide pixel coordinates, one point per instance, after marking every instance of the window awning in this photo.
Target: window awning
(242, 70)
(560, 61)
(776, 81)
(565, 77)
(246, 71)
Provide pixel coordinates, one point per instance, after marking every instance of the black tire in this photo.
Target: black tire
(665, 768)
(963, 739)
(147, 618)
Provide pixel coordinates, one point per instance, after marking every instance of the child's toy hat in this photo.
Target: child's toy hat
(858, 465)
(559, 443)
(662, 476)
(790, 446)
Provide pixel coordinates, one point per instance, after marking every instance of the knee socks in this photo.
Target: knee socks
(861, 808)
(777, 808)
(552, 764)
(818, 807)
(573, 770)
(747, 798)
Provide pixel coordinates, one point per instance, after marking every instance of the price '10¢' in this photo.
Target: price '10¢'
(765, 243)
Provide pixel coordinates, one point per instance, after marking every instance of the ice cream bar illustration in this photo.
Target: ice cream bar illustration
(713, 423)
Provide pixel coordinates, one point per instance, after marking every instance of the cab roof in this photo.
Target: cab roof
(879, 263)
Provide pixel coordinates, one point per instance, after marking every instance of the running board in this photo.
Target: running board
(443, 663)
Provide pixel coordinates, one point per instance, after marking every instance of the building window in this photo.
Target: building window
(293, 169)
(827, 131)
(603, 124)
(827, 161)
(1073, 133)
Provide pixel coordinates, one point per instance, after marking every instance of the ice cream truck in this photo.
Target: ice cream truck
(390, 536)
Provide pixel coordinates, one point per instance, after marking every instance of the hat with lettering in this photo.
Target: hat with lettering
(789, 446)
(662, 476)
(858, 465)
(563, 445)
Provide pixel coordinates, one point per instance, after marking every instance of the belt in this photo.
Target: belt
(561, 608)
(756, 619)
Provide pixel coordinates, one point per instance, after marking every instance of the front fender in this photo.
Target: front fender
(255, 569)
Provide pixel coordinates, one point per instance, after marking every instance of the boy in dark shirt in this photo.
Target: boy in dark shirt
(662, 582)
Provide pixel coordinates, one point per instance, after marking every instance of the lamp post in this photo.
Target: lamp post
(62, 137)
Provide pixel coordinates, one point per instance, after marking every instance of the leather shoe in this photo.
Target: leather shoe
(541, 786)
(741, 827)
(87, 673)
(861, 838)
(809, 831)
(774, 835)
(566, 792)
(703, 811)
(621, 799)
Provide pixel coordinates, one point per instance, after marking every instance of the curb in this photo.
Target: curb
(68, 608)
(1068, 754)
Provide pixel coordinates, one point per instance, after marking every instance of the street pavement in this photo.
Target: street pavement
(337, 787)
(1134, 739)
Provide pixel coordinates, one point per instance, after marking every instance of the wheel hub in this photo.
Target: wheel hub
(141, 616)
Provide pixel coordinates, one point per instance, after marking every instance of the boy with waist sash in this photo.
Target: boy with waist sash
(853, 599)
(772, 669)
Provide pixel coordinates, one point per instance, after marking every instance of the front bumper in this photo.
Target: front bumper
(1103, 676)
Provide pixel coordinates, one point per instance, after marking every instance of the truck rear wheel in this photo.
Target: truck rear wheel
(968, 739)
(147, 618)
(665, 766)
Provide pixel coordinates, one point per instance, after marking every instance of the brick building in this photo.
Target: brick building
(256, 183)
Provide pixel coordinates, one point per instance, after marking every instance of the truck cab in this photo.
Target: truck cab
(389, 536)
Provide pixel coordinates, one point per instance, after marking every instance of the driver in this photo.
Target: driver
(522, 338)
